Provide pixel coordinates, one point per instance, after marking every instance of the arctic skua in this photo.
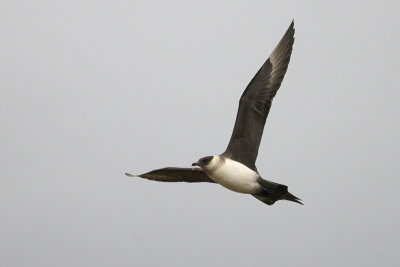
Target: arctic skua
(235, 169)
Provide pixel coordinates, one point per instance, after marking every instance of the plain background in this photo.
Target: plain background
(92, 89)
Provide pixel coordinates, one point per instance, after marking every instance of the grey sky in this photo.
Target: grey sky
(92, 89)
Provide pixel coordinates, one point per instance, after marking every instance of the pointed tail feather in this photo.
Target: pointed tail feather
(272, 192)
(290, 197)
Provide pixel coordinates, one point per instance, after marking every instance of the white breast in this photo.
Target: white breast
(235, 176)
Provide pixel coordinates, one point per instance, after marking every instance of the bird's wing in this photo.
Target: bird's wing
(256, 102)
(172, 174)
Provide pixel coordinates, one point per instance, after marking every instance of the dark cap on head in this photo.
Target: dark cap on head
(203, 161)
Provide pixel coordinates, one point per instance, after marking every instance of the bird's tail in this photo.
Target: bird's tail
(272, 192)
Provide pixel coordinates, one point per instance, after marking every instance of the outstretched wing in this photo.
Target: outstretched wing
(256, 102)
(172, 174)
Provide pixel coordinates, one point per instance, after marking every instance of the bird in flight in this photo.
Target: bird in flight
(235, 169)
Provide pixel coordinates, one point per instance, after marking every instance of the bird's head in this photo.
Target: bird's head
(207, 163)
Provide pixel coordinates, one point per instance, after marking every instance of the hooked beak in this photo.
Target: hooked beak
(195, 164)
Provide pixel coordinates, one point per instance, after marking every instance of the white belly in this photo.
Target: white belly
(236, 177)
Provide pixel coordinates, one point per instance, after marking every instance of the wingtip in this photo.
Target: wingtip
(289, 34)
(292, 26)
(130, 175)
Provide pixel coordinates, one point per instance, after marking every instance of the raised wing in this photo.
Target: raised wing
(172, 174)
(256, 102)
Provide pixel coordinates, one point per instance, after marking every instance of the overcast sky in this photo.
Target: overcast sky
(92, 89)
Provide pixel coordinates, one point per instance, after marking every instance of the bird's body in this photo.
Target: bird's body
(233, 175)
(235, 168)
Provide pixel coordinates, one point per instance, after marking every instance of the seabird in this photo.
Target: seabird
(235, 169)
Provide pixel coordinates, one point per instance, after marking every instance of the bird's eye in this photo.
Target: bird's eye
(206, 160)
